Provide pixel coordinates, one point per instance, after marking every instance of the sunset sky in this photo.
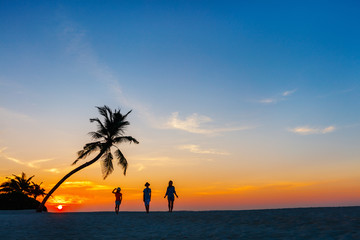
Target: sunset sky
(243, 104)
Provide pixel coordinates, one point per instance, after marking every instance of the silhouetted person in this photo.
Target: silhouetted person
(147, 196)
(118, 198)
(170, 192)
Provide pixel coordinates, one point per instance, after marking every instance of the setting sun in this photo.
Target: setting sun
(59, 207)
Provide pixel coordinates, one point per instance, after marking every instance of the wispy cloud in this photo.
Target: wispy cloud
(252, 188)
(67, 199)
(277, 98)
(197, 149)
(88, 185)
(288, 93)
(305, 130)
(6, 113)
(29, 164)
(79, 46)
(279, 185)
(339, 92)
(268, 100)
(193, 124)
(14, 160)
(139, 166)
(32, 164)
(142, 162)
(2, 149)
(52, 170)
(77, 184)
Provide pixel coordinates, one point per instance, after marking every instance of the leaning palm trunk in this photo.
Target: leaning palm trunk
(41, 206)
(110, 132)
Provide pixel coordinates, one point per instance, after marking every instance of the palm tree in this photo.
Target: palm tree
(9, 186)
(17, 184)
(37, 190)
(109, 133)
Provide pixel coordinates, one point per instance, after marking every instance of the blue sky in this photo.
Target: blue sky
(231, 80)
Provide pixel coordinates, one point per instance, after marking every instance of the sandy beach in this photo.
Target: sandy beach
(300, 223)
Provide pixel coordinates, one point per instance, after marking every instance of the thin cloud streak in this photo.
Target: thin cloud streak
(6, 113)
(52, 170)
(139, 167)
(338, 92)
(67, 199)
(2, 149)
(88, 185)
(79, 46)
(288, 93)
(305, 130)
(196, 149)
(32, 164)
(268, 100)
(29, 164)
(192, 124)
(278, 98)
(144, 162)
(254, 188)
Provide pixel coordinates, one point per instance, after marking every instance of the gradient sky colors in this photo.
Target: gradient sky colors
(243, 104)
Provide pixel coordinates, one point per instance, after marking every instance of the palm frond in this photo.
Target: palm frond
(15, 185)
(106, 112)
(37, 190)
(7, 187)
(102, 110)
(121, 160)
(87, 150)
(107, 164)
(124, 116)
(118, 123)
(29, 179)
(123, 139)
(110, 113)
(121, 126)
(19, 183)
(97, 135)
(110, 120)
(102, 129)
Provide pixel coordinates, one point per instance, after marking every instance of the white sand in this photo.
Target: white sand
(305, 223)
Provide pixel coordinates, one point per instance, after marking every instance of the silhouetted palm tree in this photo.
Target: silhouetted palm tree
(17, 184)
(9, 186)
(109, 133)
(37, 190)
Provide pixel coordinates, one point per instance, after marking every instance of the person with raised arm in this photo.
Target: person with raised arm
(118, 199)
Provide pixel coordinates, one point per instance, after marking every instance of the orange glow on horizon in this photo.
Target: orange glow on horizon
(272, 195)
